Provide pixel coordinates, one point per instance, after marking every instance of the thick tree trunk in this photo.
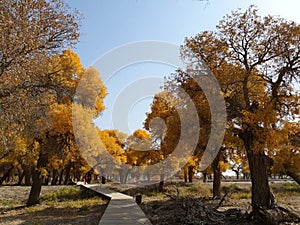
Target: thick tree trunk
(259, 178)
(217, 176)
(46, 146)
(190, 174)
(37, 180)
(258, 164)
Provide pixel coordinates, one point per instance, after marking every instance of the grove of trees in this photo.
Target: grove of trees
(255, 59)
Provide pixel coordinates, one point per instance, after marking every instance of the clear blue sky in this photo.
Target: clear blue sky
(108, 24)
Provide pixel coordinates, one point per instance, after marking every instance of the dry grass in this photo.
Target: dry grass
(59, 205)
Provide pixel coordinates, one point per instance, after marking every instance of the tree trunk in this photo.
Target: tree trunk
(21, 176)
(261, 195)
(61, 176)
(237, 173)
(27, 174)
(54, 177)
(293, 174)
(204, 177)
(121, 175)
(185, 176)
(217, 176)
(190, 174)
(6, 175)
(46, 146)
(67, 175)
(259, 179)
(47, 179)
(37, 180)
(161, 183)
(148, 177)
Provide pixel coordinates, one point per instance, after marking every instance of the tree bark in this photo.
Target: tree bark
(47, 146)
(217, 176)
(261, 195)
(190, 174)
(37, 180)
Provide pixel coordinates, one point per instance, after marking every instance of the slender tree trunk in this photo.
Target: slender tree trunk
(54, 177)
(47, 179)
(237, 174)
(190, 174)
(27, 174)
(204, 177)
(293, 174)
(217, 176)
(67, 175)
(127, 172)
(21, 177)
(61, 176)
(185, 176)
(161, 183)
(121, 174)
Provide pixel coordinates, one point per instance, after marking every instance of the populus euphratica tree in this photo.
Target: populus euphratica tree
(257, 62)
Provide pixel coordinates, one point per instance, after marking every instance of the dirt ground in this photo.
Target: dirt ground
(161, 208)
(12, 198)
(193, 205)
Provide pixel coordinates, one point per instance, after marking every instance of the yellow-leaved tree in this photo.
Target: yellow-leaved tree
(256, 61)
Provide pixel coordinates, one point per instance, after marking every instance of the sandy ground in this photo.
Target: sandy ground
(15, 196)
(156, 209)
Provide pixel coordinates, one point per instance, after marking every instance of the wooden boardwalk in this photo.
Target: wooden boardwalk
(121, 209)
